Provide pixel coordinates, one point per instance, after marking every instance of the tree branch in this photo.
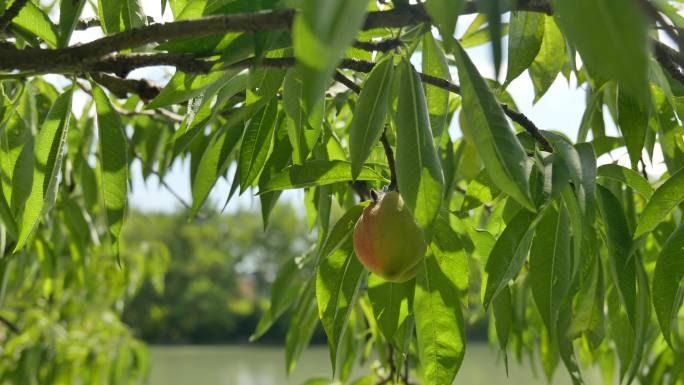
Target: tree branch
(11, 13)
(10, 325)
(670, 60)
(280, 19)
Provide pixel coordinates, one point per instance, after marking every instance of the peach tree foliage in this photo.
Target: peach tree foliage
(574, 262)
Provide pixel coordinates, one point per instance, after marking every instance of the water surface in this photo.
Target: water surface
(258, 365)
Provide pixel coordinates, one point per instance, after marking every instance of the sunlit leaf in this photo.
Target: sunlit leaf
(664, 199)
(368, 120)
(440, 329)
(525, 36)
(551, 264)
(317, 173)
(419, 174)
(611, 37)
(619, 244)
(499, 149)
(667, 290)
(49, 154)
(508, 254)
(114, 163)
(337, 283)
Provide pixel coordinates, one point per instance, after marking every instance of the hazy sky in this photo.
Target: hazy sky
(560, 109)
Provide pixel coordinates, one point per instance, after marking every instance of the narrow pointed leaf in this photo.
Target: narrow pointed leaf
(500, 151)
(214, 163)
(549, 60)
(304, 123)
(114, 163)
(611, 37)
(419, 173)
(440, 329)
(317, 173)
(445, 13)
(257, 143)
(525, 35)
(619, 245)
(337, 283)
(629, 177)
(392, 303)
(633, 122)
(49, 153)
(664, 200)
(321, 31)
(667, 277)
(550, 264)
(508, 254)
(368, 120)
(434, 63)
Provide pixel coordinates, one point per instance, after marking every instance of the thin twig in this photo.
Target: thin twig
(11, 13)
(171, 190)
(10, 325)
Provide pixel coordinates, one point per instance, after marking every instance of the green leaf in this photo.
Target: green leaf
(109, 13)
(69, 12)
(392, 304)
(588, 314)
(368, 120)
(664, 200)
(667, 277)
(419, 173)
(479, 191)
(611, 36)
(321, 31)
(434, 63)
(550, 59)
(302, 326)
(337, 283)
(492, 9)
(132, 14)
(445, 13)
(619, 245)
(33, 20)
(440, 328)
(502, 309)
(633, 122)
(114, 163)
(341, 230)
(317, 172)
(257, 143)
(49, 153)
(501, 152)
(303, 123)
(214, 163)
(551, 264)
(525, 36)
(451, 255)
(629, 177)
(184, 86)
(508, 254)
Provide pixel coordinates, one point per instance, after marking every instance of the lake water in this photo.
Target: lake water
(256, 365)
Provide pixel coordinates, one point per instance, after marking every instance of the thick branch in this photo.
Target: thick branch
(670, 59)
(216, 25)
(11, 13)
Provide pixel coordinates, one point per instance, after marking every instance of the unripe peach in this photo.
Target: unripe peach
(387, 239)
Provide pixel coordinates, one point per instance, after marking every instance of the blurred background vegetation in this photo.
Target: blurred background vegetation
(218, 270)
(208, 280)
